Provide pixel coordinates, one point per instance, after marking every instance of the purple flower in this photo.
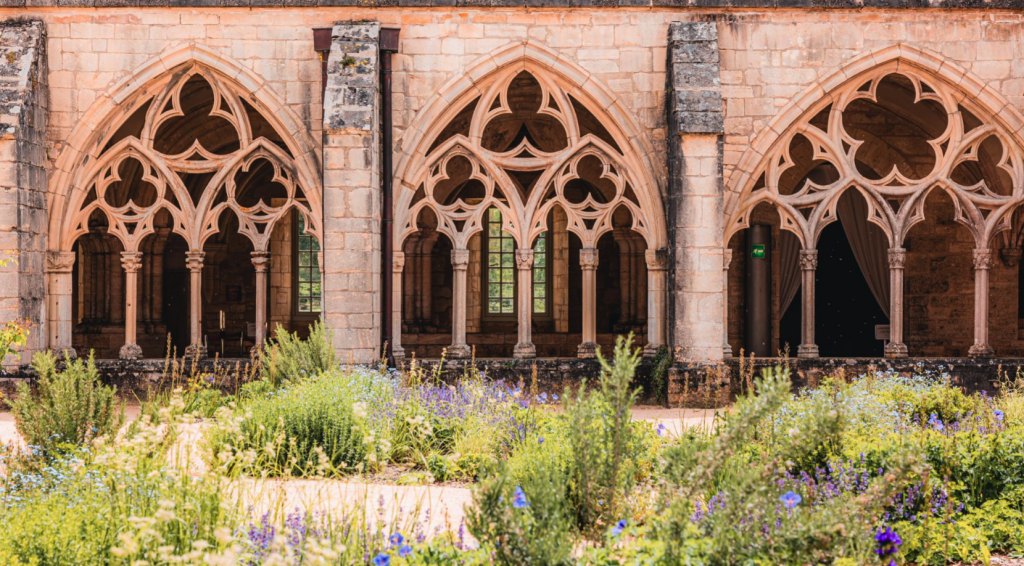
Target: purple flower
(888, 543)
(519, 500)
(404, 550)
(662, 429)
(619, 527)
(999, 414)
(540, 440)
(382, 560)
(790, 499)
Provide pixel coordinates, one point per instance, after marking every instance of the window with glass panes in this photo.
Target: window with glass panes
(500, 273)
(308, 290)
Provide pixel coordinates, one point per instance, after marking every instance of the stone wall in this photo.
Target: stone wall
(23, 119)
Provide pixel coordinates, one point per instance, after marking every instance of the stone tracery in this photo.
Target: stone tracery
(974, 160)
(499, 157)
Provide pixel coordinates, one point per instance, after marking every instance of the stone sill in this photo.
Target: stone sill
(730, 4)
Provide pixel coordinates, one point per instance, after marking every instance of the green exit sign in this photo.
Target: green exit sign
(757, 251)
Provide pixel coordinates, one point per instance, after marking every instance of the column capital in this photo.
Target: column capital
(657, 259)
(460, 259)
(808, 260)
(588, 258)
(261, 261)
(194, 260)
(60, 262)
(982, 258)
(131, 261)
(524, 258)
(897, 258)
(397, 261)
(726, 258)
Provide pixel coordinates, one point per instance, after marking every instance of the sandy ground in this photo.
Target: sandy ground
(434, 507)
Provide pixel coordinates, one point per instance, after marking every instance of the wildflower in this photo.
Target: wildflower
(382, 560)
(935, 422)
(888, 544)
(519, 500)
(790, 499)
(619, 527)
(540, 440)
(662, 429)
(404, 550)
(999, 414)
(397, 539)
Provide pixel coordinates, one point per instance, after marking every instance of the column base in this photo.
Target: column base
(726, 350)
(130, 352)
(195, 351)
(652, 350)
(459, 351)
(587, 350)
(981, 351)
(895, 350)
(524, 350)
(256, 351)
(398, 353)
(64, 353)
(807, 351)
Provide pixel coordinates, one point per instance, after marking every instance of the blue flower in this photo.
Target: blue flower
(790, 499)
(396, 539)
(619, 527)
(540, 440)
(382, 560)
(999, 414)
(404, 550)
(519, 500)
(662, 429)
(935, 422)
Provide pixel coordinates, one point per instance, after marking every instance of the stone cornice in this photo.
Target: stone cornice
(720, 4)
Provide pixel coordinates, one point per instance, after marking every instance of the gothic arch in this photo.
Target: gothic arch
(976, 158)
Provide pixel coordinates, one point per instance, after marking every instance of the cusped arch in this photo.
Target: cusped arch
(77, 165)
(982, 211)
(485, 79)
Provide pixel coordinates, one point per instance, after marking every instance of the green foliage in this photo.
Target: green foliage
(602, 441)
(13, 333)
(307, 429)
(289, 357)
(659, 375)
(68, 407)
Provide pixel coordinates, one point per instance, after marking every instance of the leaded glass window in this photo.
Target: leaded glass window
(309, 293)
(540, 274)
(501, 267)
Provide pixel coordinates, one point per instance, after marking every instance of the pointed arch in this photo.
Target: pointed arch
(755, 177)
(152, 83)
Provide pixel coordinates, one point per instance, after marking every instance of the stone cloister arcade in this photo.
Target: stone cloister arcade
(924, 181)
(175, 223)
(527, 228)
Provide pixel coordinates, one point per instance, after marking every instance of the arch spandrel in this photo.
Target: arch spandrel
(487, 84)
(896, 199)
(159, 82)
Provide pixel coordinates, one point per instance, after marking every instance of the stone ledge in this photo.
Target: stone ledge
(751, 4)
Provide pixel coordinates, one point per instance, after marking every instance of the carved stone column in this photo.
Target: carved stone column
(397, 265)
(588, 261)
(261, 261)
(131, 261)
(58, 275)
(982, 266)
(897, 261)
(459, 349)
(808, 265)
(194, 261)
(726, 262)
(624, 243)
(524, 270)
(657, 299)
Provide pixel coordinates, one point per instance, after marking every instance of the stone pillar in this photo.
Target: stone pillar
(459, 349)
(131, 261)
(23, 186)
(808, 265)
(695, 202)
(657, 299)
(524, 269)
(726, 262)
(352, 192)
(982, 266)
(59, 301)
(398, 265)
(588, 262)
(194, 262)
(261, 261)
(897, 261)
(626, 288)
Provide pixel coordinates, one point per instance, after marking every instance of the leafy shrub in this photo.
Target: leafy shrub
(289, 357)
(68, 407)
(307, 429)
